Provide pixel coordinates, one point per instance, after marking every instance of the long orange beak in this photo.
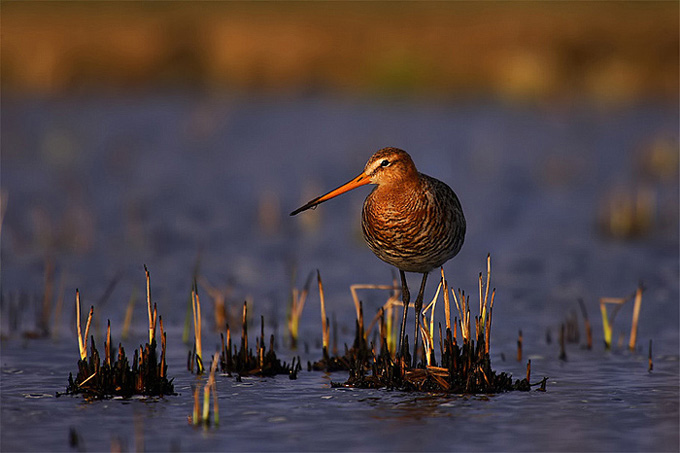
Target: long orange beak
(360, 180)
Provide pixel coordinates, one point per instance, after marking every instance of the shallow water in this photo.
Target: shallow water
(102, 186)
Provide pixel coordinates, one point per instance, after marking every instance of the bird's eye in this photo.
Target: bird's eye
(385, 163)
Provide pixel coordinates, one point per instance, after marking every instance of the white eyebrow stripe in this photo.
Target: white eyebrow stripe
(373, 167)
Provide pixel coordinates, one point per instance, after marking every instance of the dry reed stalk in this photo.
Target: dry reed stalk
(155, 319)
(390, 322)
(463, 312)
(228, 350)
(361, 320)
(152, 321)
(447, 301)
(488, 282)
(81, 347)
(460, 313)
(427, 344)
(481, 296)
(107, 345)
(82, 340)
(431, 306)
(461, 317)
(86, 380)
(392, 302)
(297, 303)
(196, 308)
(529, 370)
(355, 298)
(164, 341)
(382, 332)
(467, 327)
(324, 319)
(487, 333)
(519, 346)
(244, 334)
(636, 316)
(260, 348)
(607, 318)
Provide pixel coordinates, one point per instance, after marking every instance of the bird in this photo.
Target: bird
(409, 220)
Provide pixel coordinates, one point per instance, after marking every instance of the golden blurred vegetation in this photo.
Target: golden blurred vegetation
(607, 51)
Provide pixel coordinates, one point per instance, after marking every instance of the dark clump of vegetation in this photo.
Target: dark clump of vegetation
(148, 374)
(264, 362)
(243, 361)
(359, 353)
(463, 368)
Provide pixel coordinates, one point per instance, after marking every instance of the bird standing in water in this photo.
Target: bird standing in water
(410, 220)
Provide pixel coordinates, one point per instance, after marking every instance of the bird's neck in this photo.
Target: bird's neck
(398, 192)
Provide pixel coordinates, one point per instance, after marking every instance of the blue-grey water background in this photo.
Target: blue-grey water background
(100, 186)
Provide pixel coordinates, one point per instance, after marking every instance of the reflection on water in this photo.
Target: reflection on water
(98, 187)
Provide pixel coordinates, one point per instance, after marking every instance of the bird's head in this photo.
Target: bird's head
(389, 166)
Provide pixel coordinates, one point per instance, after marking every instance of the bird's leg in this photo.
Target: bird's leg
(405, 296)
(418, 308)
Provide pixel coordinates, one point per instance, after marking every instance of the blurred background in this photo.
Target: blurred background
(509, 50)
(179, 135)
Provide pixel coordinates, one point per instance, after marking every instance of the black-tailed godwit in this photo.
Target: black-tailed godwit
(410, 220)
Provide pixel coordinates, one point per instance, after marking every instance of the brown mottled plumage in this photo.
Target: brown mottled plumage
(410, 220)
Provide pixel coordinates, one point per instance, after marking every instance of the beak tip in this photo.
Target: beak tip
(300, 209)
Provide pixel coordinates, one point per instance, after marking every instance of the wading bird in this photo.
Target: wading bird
(410, 220)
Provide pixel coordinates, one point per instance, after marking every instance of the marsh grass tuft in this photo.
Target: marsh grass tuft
(462, 368)
(608, 316)
(263, 362)
(146, 376)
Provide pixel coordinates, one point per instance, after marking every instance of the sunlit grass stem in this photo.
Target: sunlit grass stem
(151, 310)
(324, 319)
(393, 301)
(447, 301)
(82, 340)
(196, 306)
(636, 315)
(297, 303)
(608, 317)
